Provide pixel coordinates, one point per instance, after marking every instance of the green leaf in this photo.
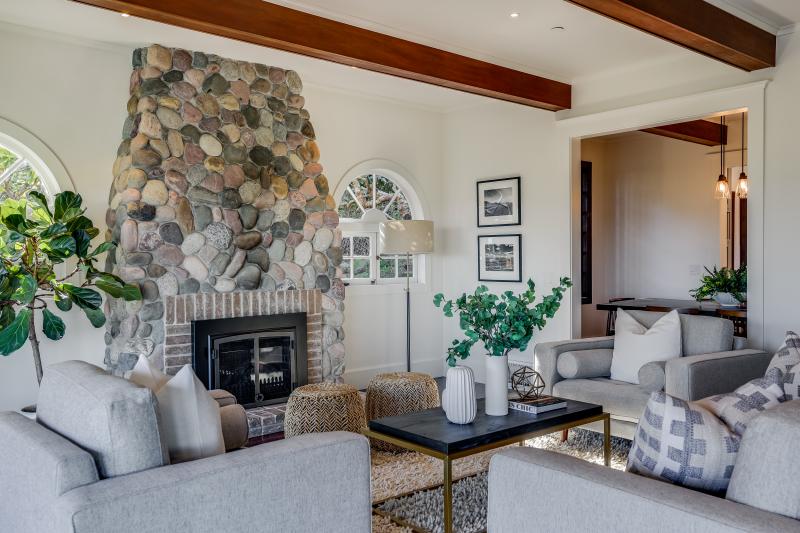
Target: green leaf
(102, 248)
(65, 205)
(54, 229)
(65, 304)
(82, 242)
(83, 297)
(6, 315)
(14, 335)
(39, 208)
(16, 222)
(60, 247)
(95, 316)
(437, 299)
(26, 289)
(52, 325)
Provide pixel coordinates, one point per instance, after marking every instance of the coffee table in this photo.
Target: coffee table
(429, 432)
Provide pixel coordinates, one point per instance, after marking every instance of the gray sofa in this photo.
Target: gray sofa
(569, 494)
(712, 363)
(94, 462)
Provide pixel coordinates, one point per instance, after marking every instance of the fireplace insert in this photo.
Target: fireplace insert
(260, 359)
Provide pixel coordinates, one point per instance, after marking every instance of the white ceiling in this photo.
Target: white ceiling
(589, 46)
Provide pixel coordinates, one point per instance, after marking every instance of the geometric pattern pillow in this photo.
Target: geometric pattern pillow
(791, 384)
(683, 443)
(786, 359)
(738, 407)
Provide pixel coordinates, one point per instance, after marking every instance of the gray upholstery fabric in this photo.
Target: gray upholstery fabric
(616, 397)
(546, 356)
(308, 484)
(767, 469)
(579, 496)
(700, 334)
(585, 363)
(699, 376)
(37, 467)
(652, 376)
(110, 417)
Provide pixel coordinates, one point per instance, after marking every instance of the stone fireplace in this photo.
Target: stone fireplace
(222, 211)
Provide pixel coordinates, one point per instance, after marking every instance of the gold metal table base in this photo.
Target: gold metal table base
(448, 459)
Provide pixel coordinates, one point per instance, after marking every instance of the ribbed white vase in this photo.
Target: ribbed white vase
(458, 396)
(496, 385)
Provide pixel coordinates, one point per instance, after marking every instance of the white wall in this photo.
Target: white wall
(655, 220)
(71, 94)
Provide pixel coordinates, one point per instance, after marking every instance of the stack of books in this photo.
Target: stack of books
(535, 406)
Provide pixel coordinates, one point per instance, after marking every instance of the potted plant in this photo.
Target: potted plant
(727, 286)
(502, 323)
(33, 240)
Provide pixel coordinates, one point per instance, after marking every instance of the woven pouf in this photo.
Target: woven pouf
(324, 407)
(397, 393)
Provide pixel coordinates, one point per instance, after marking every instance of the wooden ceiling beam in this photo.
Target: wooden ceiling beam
(697, 131)
(696, 25)
(266, 24)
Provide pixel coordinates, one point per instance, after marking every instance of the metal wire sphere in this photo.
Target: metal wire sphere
(527, 383)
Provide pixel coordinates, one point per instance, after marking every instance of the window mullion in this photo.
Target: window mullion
(16, 165)
(355, 198)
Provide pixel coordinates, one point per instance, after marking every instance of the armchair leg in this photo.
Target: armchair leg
(564, 435)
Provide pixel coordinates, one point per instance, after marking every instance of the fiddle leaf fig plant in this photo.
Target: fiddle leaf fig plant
(502, 322)
(33, 240)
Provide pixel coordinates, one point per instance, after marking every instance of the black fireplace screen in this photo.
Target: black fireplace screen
(260, 360)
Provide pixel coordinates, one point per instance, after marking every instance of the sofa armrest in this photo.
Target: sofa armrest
(579, 496)
(310, 483)
(223, 397)
(699, 376)
(546, 356)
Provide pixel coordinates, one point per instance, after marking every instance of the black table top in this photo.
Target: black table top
(703, 307)
(431, 429)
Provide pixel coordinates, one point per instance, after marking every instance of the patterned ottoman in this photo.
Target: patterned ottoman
(324, 407)
(397, 393)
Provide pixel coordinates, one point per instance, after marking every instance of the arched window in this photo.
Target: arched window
(18, 176)
(364, 202)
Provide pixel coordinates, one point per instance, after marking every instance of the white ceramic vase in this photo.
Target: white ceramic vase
(496, 385)
(458, 396)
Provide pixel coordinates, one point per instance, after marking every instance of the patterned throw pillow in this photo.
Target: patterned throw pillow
(787, 359)
(739, 407)
(683, 443)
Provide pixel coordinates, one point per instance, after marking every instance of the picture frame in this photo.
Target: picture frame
(498, 202)
(500, 257)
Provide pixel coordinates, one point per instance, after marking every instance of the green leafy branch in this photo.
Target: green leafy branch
(33, 239)
(502, 322)
(721, 280)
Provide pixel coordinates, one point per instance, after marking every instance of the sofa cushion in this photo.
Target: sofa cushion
(699, 334)
(787, 361)
(683, 443)
(767, 469)
(636, 345)
(113, 419)
(616, 397)
(737, 408)
(581, 364)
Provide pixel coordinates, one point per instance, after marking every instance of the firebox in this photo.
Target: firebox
(258, 359)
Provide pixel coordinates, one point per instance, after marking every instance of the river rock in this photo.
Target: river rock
(168, 255)
(219, 235)
(210, 145)
(195, 267)
(302, 253)
(248, 240)
(192, 243)
(167, 284)
(249, 277)
(236, 263)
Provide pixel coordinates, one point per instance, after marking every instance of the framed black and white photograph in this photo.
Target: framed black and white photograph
(500, 257)
(498, 202)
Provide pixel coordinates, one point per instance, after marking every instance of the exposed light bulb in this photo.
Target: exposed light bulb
(743, 186)
(722, 189)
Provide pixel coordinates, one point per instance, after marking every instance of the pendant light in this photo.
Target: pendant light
(743, 186)
(722, 189)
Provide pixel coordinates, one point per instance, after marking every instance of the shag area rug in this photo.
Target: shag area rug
(407, 491)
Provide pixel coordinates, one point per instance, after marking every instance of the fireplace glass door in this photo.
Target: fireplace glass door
(256, 367)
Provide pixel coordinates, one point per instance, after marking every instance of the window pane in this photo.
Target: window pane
(345, 265)
(399, 210)
(361, 246)
(348, 208)
(362, 188)
(7, 158)
(385, 190)
(361, 269)
(346, 246)
(405, 267)
(388, 267)
(20, 183)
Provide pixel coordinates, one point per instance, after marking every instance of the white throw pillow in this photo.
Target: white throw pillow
(189, 416)
(146, 374)
(635, 345)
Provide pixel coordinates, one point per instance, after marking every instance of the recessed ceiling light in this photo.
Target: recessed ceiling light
(125, 14)
(514, 15)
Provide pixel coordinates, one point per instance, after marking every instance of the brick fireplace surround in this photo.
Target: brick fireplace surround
(182, 309)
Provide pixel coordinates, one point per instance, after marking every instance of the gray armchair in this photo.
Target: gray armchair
(712, 363)
(576, 495)
(94, 463)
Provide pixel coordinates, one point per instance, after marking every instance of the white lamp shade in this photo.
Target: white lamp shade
(405, 237)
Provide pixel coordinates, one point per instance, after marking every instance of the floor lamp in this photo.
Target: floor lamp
(406, 237)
